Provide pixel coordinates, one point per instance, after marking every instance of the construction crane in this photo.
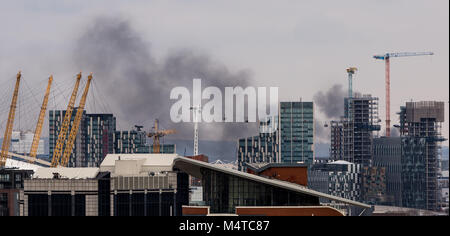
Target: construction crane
(156, 134)
(386, 57)
(38, 130)
(9, 124)
(65, 125)
(76, 124)
(197, 116)
(350, 71)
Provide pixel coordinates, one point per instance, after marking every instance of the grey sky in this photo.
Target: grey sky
(301, 46)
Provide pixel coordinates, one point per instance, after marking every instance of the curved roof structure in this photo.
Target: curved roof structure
(192, 167)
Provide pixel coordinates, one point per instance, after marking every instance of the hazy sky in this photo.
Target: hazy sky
(300, 46)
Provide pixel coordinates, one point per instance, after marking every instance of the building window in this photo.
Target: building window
(4, 177)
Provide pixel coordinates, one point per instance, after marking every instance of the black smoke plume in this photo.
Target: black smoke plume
(137, 84)
(331, 103)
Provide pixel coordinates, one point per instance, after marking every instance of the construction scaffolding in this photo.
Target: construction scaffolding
(352, 135)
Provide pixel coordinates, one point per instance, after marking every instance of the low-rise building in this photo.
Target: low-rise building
(123, 185)
(11, 182)
(337, 178)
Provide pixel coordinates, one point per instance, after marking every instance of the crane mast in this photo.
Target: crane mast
(65, 125)
(197, 110)
(38, 130)
(351, 71)
(386, 57)
(9, 125)
(156, 134)
(76, 124)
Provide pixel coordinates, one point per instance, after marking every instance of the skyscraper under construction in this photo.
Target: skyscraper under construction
(352, 135)
(420, 130)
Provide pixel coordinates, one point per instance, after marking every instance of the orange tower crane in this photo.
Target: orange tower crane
(9, 125)
(76, 124)
(156, 134)
(38, 130)
(65, 125)
(387, 58)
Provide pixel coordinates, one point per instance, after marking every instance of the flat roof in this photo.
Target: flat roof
(66, 173)
(21, 165)
(149, 158)
(192, 167)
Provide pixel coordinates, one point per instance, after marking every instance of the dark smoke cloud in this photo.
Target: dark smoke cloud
(137, 84)
(331, 102)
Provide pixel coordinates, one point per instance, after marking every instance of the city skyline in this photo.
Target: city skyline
(308, 45)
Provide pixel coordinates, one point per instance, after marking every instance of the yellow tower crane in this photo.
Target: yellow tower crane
(156, 134)
(38, 130)
(75, 125)
(9, 125)
(65, 125)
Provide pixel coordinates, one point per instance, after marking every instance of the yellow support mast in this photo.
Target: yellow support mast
(75, 125)
(9, 125)
(38, 130)
(65, 125)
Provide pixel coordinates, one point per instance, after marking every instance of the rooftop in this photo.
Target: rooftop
(148, 159)
(193, 167)
(66, 173)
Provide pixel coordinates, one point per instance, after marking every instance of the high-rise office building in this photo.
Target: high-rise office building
(420, 126)
(93, 141)
(296, 124)
(286, 138)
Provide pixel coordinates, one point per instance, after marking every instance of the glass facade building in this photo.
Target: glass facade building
(290, 141)
(296, 126)
(420, 130)
(223, 192)
(387, 153)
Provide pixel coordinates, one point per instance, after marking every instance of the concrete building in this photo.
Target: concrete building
(123, 185)
(420, 125)
(352, 136)
(94, 138)
(286, 138)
